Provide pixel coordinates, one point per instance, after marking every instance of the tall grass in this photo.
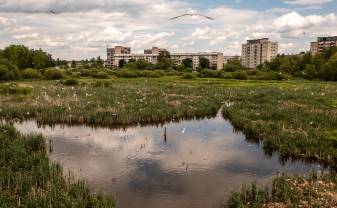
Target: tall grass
(27, 179)
(296, 118)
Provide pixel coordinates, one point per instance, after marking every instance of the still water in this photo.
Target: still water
(195, 164)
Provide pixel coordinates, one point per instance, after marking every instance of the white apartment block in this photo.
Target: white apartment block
(229, 58)
(114, 55)
(216, 59)
(258, 51)
(322, 43)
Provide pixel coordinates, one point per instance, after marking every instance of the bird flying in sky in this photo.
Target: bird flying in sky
(192, 15)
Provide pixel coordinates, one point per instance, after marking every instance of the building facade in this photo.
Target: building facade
(322, 43)
(151, 55)
(229, 58)
(154, 50)
(258, 51)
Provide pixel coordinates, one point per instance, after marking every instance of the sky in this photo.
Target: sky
(79, 29)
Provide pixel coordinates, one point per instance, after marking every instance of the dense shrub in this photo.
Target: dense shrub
(53, 74)
(31, 74)
(100, 75)
(271, 75)
(232, 68)
(85, 72)
(147, 73)
(13, 88)
(126, 73)
(310, 71)
(71, 82)
(226, 76)
(7, 74)
(329, 71)
(208, 73)
(240, 75)
(76, 74)
(189, 76)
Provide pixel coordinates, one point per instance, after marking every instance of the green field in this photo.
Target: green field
(296, 118)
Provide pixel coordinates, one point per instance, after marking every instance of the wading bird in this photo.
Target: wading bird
(192, 15)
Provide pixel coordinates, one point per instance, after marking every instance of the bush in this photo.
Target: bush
(101, 75)
(13, 88)
(208, 73)
(240, 75)
(232, 68)
(53, 74)
(85, 72)
(71, 82)
(126, 73)
(31, 74)
(329, 71)
(147, 73)
(272, 76)
(9, 73)
(226, 76)
(310, 71)
(76, 74)
(189, 76)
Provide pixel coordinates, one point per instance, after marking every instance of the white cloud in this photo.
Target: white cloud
(308, 2)
(83, 30)
(294, 24)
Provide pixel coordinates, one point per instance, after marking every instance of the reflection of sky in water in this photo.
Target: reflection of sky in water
(197, 166)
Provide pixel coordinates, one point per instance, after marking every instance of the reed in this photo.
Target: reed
(29, 179)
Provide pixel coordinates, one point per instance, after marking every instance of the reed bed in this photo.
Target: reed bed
(28, 179)
(296, 118)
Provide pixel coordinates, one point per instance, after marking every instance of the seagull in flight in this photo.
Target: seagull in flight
(192, 15)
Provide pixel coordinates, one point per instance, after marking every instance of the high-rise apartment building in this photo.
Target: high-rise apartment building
(322, 43)
(114, 55)
(258, 51)
(154, 50)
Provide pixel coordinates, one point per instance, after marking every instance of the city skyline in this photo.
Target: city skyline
(82, 29)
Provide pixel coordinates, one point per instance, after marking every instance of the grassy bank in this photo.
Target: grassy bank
(297, 118)
(27, 179)
(312, 191)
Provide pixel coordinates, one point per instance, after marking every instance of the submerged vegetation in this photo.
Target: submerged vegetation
(27, 179)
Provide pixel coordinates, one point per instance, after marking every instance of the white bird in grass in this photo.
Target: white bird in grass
(192, 15)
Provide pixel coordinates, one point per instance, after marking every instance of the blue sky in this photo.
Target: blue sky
(77, 29)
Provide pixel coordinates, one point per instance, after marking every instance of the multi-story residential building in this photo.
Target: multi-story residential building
(322, 43)
(229, 58)
(258, 51)
(151, 56)
(216, 59)
(154, 50)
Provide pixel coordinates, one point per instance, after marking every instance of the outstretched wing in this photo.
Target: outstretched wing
(207, 17)
(177, 17)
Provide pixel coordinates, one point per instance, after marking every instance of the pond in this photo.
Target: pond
(183, 164)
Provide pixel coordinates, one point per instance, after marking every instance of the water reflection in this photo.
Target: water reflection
(186, 164)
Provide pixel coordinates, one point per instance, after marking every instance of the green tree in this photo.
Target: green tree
(19, 55)
(40, 59)
(204, 63)
(141, 64)
(310, 71)
(121, 63)
(73, 64)
(329, 71)
(328, 53)
(188, 63)
(163, 56)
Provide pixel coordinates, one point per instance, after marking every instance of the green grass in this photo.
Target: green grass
(27, 179)
(311, 191)
(296, 118)
(292, 117)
